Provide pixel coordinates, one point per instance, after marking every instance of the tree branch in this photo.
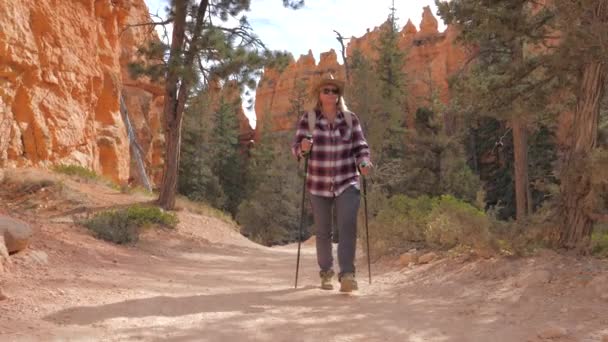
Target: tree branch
(152, 23)
(204, 71)
(341, 41)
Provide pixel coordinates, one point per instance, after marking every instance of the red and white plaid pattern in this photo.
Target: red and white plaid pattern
(336, 152)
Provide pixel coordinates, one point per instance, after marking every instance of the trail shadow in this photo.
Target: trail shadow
(243, 302)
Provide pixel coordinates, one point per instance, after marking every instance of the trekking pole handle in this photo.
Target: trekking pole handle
(309, 138)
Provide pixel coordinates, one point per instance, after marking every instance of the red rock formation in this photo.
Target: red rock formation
(62, 70)
(431, 57)
(275, 90)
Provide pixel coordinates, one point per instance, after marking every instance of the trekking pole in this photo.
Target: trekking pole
(301, 217)
(369, 264)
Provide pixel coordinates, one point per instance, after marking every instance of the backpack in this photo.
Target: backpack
(312, 120)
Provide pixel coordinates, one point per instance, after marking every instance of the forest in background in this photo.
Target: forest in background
(515, 161)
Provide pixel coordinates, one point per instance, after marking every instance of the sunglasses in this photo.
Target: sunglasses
(328, 91)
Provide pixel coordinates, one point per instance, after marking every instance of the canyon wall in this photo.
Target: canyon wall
(63, 69)
(431, 57)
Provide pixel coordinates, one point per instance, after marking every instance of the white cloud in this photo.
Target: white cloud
(311, 27)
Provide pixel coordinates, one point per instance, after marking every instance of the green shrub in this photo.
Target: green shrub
(442, 222)
(458, 180)
(599, 241)
(143, 216)
(124, 226)
(453, 222)
(76, 170)
(400, 224)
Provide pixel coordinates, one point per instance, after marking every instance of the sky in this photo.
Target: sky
(311, 27)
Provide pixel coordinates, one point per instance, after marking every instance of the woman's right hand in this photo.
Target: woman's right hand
(305, 145)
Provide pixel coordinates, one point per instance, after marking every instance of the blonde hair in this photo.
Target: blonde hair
(340, 104)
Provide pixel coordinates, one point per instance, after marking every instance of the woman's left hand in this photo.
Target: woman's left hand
(364, 168)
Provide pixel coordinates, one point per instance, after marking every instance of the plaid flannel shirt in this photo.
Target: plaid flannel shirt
(336, 152)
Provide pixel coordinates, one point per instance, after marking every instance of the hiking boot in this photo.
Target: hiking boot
(326, 277)
(348, 283)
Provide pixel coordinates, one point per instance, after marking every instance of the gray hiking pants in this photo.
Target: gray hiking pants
(346, 207)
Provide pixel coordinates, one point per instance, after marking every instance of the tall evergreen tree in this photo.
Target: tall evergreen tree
(392, 81)
(365, 99)
(269, 213)
(227, 161)
(197, 181)
(564, 69)
(202, 46)
(391, 60)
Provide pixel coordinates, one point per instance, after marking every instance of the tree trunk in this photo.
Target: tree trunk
(172, 150)
(520, 152)
(173, 118)
(520, 146)
(175, 101)
(575, 225)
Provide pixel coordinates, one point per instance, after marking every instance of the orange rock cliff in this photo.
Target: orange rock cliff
(431, 57)
(63, 67)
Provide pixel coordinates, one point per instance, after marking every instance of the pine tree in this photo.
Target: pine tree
(392, 82)
(227, 161)
(197, 181)
(563, 70)
(364, 98)
(391, 59)
(270, 212)
(202, 46)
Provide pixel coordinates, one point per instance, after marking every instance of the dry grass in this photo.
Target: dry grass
(205, 210)
(25, 181)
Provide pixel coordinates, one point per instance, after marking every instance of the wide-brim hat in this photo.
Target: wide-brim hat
(328, 80)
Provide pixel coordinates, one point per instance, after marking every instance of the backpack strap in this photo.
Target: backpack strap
(348, 117)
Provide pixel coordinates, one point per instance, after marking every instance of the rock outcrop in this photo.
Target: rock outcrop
(62, 71)
(4, 256)
(276, 90)
(431, 57)
(16, 234)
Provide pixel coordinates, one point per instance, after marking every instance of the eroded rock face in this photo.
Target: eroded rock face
(276, 90)
(432, 56)
(62, 70)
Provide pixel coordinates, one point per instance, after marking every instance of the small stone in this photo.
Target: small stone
(536, 278)
(406, 258)
(426, 258)
(2, 295)
(553, 331)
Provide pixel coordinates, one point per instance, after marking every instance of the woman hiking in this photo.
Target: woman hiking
(331, 137)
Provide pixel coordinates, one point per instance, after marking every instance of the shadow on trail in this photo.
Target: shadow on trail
(243, 302)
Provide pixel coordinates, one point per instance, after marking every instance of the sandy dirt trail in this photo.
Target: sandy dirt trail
(205, 282)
